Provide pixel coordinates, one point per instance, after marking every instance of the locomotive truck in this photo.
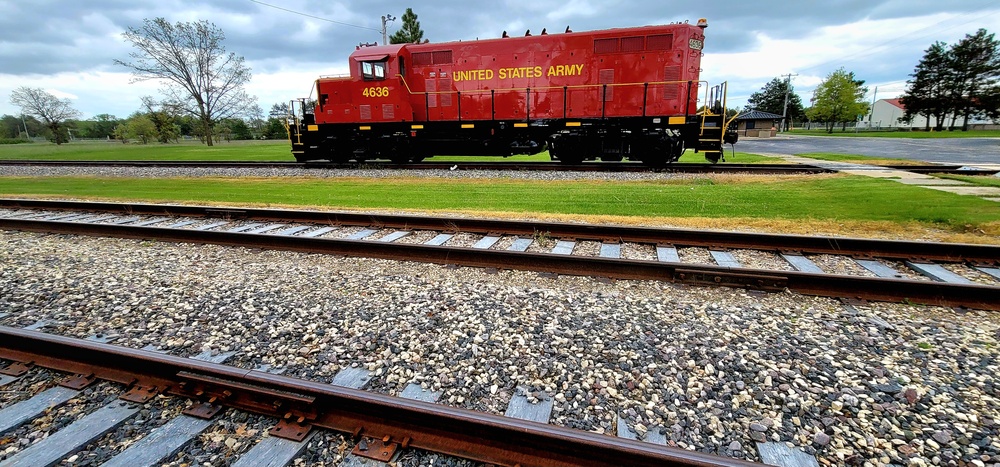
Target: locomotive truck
(608, 94)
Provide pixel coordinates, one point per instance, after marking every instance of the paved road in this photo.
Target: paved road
(945, 150)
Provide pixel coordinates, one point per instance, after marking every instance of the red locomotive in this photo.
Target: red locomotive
(609, 94)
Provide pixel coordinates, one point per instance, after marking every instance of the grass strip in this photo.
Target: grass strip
(899, 134)
(252, 151)
(978, 180)
(832, 198)
(859, 159)
(116, 151)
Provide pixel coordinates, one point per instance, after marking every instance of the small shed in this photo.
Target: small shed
(757, 123)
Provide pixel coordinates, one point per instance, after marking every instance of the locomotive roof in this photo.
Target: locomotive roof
(553, 35)
(367, 53)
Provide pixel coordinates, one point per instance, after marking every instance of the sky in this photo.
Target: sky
(68, 47)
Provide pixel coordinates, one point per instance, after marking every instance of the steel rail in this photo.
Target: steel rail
(431, 165)
(858, 247)
(408, 423)
(925, 292)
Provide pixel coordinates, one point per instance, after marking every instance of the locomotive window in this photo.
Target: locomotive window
(402, 67)
(373, 70)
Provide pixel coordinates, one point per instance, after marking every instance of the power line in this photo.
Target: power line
(315, 17)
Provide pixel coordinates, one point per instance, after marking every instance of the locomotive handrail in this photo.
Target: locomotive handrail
(575, 86)
(600, 87)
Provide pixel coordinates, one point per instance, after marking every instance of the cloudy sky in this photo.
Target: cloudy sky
(68, 47)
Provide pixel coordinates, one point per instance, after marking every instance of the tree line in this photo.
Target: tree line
(155, 121)
(956, 81)
(949, 82)
(203, 87)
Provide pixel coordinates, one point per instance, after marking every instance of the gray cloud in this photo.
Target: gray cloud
(49, 36)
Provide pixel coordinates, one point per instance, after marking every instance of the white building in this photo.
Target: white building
(887, 112)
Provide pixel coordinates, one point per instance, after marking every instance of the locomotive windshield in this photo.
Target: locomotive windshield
(373, 70)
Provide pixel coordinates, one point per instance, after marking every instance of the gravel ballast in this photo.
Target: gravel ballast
(712, 369)
(361, 172)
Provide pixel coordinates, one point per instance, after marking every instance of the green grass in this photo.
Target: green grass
(900, 134)
(829, 198)
(274, 150)
(980, 180)
(859, 159)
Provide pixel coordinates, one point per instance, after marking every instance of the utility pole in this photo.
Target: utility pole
(874, 95)
(784, 111)
(26, 135)
(386, 19)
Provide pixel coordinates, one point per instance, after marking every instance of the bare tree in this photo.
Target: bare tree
(46, 107)
(201, 78)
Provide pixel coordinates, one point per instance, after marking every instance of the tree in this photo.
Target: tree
(101, 126)
(46, 107)
(141, 127)
(926, 93)
(771, 98)
(279, 110)
(10, 127)
(234, 129)
(839, 98)
(163, 117)
(202, 79)
(410, 32)
(975, 66)
(960, 80)
(257, 122)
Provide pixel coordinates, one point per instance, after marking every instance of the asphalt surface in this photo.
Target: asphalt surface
(944, 150)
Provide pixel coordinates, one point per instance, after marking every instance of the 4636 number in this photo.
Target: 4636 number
(376, 91)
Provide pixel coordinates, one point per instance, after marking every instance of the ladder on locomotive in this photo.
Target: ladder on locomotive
(712, 126)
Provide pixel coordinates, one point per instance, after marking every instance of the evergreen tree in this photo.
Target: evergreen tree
(961, 81)
(926, 94)
(410, 33)
(771, 98)
(975, 63)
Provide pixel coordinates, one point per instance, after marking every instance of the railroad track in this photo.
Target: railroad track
(511, 166)
(378, 426)
(958, 275)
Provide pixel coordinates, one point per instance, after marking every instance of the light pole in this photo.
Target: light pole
(386, 20)
(784, 111)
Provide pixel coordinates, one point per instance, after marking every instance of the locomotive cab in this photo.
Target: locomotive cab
(347, 108)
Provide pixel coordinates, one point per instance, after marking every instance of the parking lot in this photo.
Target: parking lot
(944, 150)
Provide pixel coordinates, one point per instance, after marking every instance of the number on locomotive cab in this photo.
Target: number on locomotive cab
(375, 91)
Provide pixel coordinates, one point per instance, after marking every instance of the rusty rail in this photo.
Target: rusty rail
(858, 247)
(407, 423)
(926, 292)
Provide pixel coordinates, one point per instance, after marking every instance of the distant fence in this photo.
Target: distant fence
(864, 126)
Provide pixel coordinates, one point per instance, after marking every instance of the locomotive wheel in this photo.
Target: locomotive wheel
(398, 158)
(611, 157)
(568, 152)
